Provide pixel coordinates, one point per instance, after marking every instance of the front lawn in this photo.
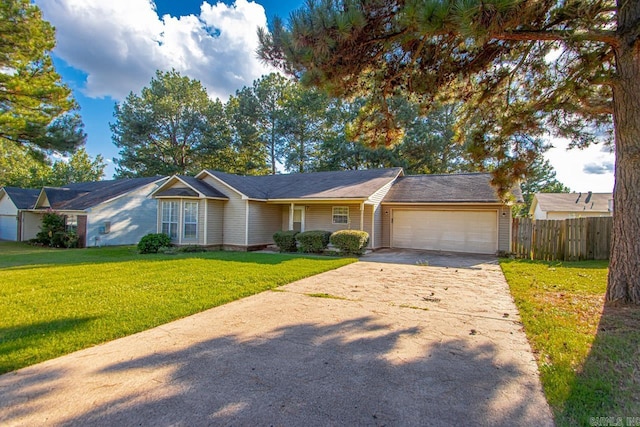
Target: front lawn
(588, 354)
(54, 302)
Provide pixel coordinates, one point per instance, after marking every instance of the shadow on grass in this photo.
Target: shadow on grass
(609, 383)
(16, 338)
(343, 373)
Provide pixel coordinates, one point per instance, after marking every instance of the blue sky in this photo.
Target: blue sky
(107, 49)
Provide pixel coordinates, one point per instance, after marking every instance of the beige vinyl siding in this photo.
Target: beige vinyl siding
(320, 217)
(264, 220)
(368, 211)
(233, 230)
(504, 229)
(215, 222)
(31, 225)
(376, 198)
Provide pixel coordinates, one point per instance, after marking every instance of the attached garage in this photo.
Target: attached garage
(452, 212)
(445, 230)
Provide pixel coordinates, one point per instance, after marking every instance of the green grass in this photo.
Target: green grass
(588, 353)
(54, 302)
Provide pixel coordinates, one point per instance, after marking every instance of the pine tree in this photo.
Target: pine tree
(520, 68)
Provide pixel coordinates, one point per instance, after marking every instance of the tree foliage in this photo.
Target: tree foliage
(23, 168)
(540, 179)
(36, 109)
(167, 129)
(520, 68)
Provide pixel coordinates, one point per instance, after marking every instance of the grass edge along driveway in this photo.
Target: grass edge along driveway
(55, 302)
(588, 354)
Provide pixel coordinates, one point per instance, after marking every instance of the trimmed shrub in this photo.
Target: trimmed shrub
(192, 249)
(286, 240)
(350, 241)
(314, 241)
(151, 243)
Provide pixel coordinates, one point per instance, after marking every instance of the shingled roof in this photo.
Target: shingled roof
(23, 198)
(574, 202)
(353, 184)
(197, 187)
(449, 188)
(83, 195)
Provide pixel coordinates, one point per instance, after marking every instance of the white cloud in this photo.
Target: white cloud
(589, 169)
(120, 44)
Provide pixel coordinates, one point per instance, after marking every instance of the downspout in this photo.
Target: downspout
(205, 225)
(372, 241)
(362, 216)
(246, 225)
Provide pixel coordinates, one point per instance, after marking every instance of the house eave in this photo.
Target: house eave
(318, 201)
(457, 203)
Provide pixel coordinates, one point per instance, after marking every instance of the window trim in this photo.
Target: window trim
(334, 215)
(185, 223)
(173, 206)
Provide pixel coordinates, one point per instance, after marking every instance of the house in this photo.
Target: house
(571, 205)
(458, 212)
(115, 212)
(12, 201)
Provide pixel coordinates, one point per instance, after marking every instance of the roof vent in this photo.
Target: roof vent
(578, 199)
(588, 197)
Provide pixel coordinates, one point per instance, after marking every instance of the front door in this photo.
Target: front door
(298, 219)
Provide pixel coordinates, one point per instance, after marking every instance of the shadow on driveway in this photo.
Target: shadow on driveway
(430, 258)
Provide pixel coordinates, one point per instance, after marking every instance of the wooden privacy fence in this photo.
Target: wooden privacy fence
(562, 240)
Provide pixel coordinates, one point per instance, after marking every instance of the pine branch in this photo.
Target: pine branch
(608, 37)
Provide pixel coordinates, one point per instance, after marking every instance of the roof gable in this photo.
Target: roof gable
(84, 195)
(573, 202)
(352, 184)
(446, 188)
(22, 198)
(194, 188)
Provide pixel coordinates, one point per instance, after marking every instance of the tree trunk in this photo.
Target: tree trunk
(624, 267)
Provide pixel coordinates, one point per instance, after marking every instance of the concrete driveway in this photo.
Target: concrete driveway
(368, 344)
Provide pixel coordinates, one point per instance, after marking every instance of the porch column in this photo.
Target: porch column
(291, 206)
(362, 216)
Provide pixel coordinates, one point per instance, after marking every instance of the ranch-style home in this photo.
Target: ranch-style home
(115, 212)
(454, 212)
(571, 205)
(12, 201)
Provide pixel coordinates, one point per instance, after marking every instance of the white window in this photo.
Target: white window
(190, 220)
(341, 215)
(170, 219)
(71, 223)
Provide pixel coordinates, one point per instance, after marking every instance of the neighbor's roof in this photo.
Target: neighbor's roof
(352, 184)
(23, 198)
(573, 202)
(83, 195)
(197, 187)
(447, 188)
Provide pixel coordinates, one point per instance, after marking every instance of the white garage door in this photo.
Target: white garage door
(456, 231)
(8, 227)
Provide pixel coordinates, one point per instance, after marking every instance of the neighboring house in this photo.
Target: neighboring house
(571, 205)
(12, 201)
(440, 212)
(115, 212)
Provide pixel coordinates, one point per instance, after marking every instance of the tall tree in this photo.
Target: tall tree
(78, 168)
(270, 93)
(167, 129)
(520, 67)
(304, 126)
(20, 167)
(36, 109)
